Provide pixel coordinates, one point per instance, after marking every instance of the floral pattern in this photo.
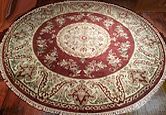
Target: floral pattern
(120, 32)
(123, 49)
(51, 57)
(108, 23)
(83, 40)
(120, 66)
(93, 67)
(113, 59)
(70, 65)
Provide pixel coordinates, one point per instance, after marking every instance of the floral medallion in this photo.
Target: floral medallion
(83, 45)
(83, 57)
(83, 40)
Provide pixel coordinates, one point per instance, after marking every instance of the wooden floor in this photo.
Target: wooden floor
(10, 104)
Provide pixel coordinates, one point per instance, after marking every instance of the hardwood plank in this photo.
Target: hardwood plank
(29, 110)
(3, 92)
(158, 20)
(2, 34)
(10, 105)
(151, 6)
(155, 106)
(164, 87)
(1, 79)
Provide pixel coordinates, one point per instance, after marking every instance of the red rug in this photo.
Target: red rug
(83, 57)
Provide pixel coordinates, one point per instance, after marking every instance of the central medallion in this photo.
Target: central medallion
(83, 45)
(83, 40)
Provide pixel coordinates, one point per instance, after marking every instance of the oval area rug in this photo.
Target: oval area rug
(83, 57)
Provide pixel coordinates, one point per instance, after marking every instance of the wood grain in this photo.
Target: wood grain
(151, 6)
